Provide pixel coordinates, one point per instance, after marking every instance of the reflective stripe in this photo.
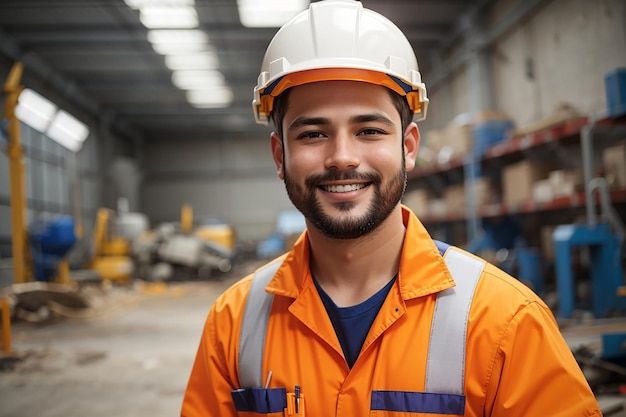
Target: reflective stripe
(255, 318)
(418, 402)
(445, 369)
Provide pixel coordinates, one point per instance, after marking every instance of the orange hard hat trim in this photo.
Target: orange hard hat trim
(335, 74)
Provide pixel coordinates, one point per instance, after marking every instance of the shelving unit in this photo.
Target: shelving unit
(493, 210)
(566, 134)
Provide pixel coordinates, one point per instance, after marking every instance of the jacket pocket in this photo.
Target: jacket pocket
(409, 403)
(256, 401)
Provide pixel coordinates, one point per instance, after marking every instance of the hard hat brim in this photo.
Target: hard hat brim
(264, 100)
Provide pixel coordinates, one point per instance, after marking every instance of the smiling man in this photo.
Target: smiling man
(366, 314)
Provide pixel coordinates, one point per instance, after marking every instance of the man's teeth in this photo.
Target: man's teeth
(343, 188)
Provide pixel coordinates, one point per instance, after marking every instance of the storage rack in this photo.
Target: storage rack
(565, 134)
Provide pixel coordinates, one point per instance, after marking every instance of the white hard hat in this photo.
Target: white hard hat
(339, 40)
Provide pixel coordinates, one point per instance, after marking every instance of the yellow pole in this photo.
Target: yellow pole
(6, 325)
(12, 90)
(64, 272)
(186, 218)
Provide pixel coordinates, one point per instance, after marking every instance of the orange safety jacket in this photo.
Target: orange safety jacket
(516, 361)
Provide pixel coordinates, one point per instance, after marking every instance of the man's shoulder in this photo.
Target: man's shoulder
(503, 293)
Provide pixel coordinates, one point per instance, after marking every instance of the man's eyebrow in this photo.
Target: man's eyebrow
(362, 118)
(372, 117)
(308, 121)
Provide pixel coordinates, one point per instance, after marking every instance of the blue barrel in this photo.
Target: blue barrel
(50, 241)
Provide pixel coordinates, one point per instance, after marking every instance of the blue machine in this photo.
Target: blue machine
(606, 269)
(604, 239)
(50, 241)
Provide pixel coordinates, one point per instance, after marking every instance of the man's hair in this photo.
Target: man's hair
(280, 108)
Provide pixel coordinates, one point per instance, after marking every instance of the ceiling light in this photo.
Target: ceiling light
(207, 98)
(177, 36)
(34, 110)
(171, 42)
(191, 79)
(268, 13)
(68, 131)
(138, 4)
(199, 61)
(157, 17)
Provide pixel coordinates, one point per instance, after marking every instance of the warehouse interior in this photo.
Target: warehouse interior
(168, 193)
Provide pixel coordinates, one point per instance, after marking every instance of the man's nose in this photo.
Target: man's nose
(342, 152)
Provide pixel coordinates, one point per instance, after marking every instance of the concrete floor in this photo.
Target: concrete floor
(130, 357)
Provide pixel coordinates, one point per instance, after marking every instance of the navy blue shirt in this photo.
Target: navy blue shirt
(353, 323)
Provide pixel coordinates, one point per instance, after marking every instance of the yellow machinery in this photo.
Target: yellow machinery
(221, 234)
(111, 257)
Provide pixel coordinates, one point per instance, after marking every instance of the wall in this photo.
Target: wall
(231, 180)
(559, 55)
(571, 45)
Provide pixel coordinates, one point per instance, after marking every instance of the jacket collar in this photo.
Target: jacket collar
(422, 268)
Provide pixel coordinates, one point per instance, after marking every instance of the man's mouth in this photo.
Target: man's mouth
(343, 188)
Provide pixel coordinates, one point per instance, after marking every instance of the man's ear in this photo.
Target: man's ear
(278, 150)
(411, 145)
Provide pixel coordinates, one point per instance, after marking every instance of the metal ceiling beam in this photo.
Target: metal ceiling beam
(57, 82)
(231, 33)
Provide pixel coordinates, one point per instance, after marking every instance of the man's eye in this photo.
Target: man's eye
(311, 135)
(371, 132)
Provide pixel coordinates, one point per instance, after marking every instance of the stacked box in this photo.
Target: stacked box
(418, 201)
(518, 181)
(435, 139)
(452, 141)
(542, 191)
(454, 195)
(614, 159)
(566, 182)
(483, 191)
(437, 207)
(459, 138)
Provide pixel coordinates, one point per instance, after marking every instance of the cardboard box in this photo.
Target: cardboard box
(454, 195)
(518, 181)
(418, 201)
(566, 182)
(459, 138)
(542, 191)
(614, 158)
(484, 191)
(435, 139)
(437, 207)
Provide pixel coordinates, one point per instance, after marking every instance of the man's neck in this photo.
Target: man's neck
(350, 271)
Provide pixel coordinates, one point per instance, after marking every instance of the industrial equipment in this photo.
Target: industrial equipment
(50, 242)
(185, 251)
(112, 250)
(604, 239)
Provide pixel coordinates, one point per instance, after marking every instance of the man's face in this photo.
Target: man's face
(343, 156)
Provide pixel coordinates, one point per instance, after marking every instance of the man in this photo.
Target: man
(367, 315)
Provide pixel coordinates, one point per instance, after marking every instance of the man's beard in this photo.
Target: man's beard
(349, 227)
